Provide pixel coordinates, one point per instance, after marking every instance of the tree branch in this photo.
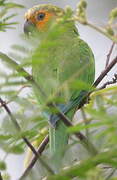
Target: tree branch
(104, 73)
(113, 81)
(23, 137)
(91, 25)
(109, 54)
(102, 31)
(1, 176)
(34, 159)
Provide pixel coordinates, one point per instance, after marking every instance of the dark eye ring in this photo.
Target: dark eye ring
(40, 16)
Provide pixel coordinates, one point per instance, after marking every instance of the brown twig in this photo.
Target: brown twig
(109, 54)
(33, 161)
(3, 104)
(24, 138)
(104, 73)
(1, 176)
(93, 26)
(113, 81)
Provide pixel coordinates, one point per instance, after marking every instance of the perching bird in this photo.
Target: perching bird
(62, 65)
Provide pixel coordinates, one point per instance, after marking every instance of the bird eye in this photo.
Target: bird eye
(40, 16)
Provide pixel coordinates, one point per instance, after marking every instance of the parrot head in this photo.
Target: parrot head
(41, 17)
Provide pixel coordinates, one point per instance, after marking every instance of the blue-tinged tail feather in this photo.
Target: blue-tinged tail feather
(58, 130)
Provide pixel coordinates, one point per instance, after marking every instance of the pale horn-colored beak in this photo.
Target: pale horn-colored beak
(28, 27)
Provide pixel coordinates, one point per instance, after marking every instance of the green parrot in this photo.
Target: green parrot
(61, 63)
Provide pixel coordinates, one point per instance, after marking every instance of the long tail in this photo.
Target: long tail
(58, 133)
(58, 141)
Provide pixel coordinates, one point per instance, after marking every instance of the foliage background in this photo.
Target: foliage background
(98, 14)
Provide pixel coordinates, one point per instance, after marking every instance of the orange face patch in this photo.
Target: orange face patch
(41, 24)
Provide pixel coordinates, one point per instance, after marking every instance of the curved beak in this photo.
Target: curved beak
(28, 27)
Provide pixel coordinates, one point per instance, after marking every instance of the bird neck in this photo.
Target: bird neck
(60, 30)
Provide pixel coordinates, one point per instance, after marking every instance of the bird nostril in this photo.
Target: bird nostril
(28, 27)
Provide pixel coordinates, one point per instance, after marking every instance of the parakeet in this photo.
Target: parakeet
(60, 61)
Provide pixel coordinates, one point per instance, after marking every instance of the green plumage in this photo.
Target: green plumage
(60, 61)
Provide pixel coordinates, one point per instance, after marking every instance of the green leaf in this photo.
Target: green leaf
(3, 166)
(79, 85)
(14, 5)
(80, 127)
(17, 149)
(5, 137)
(9, 17)
(80, 170)
(2, 2)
